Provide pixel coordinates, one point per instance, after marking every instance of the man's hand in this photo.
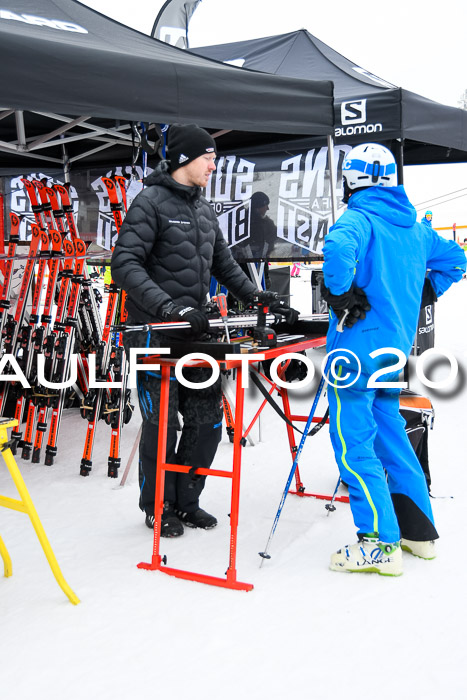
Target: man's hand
(290, 315)
(197, 319)
(354, 301)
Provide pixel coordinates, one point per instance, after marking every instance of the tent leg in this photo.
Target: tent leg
(66, 163)
(399, 156)
(332, 177)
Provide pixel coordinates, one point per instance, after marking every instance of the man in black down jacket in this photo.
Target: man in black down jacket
(168, 247)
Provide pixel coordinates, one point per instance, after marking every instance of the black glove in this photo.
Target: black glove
(354, 301)
(361, 305)
(197, 319)
(290, 315)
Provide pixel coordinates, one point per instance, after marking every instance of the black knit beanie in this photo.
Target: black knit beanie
(185, 143)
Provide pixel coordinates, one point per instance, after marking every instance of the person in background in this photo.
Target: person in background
(375, 260)
(169, 246)
(262, 238)
(428, 219)
(295, 270)
(263, 231)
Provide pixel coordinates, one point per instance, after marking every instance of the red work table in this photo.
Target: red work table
(157, 561)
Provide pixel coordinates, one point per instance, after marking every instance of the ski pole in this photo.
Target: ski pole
(330, 507)
(264, 555)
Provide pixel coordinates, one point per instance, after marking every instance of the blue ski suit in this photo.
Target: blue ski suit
(378, 245)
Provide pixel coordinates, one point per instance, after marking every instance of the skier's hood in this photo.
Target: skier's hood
(390, 203)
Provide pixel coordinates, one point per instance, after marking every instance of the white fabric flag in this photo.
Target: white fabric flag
(171, 24)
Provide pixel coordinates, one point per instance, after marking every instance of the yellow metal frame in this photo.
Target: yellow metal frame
(25, 505)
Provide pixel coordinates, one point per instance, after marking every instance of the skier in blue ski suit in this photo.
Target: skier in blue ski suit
(378, 247)
(428, 219)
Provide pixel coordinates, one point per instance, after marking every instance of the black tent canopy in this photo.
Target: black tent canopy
(367, 108)
(70, 73)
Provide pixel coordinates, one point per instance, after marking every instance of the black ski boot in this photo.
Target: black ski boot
(198, 518)
(170, 523)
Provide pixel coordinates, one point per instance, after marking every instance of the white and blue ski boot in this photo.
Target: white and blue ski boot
(369, 556)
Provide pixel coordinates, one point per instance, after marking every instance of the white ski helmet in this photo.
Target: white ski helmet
(367, 165)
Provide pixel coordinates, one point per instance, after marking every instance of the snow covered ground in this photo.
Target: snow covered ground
(302, 632)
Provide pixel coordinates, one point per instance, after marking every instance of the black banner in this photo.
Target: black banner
(274, 207)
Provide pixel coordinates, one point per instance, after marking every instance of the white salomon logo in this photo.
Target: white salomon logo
(353, 112)
(353, 118)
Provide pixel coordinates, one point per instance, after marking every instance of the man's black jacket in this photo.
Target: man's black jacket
(168, 247)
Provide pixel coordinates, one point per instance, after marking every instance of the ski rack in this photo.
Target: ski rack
(77, 316)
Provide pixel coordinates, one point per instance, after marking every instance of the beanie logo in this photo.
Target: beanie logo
(209, 150)
(182, 158)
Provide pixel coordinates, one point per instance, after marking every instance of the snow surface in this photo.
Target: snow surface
(302, 632)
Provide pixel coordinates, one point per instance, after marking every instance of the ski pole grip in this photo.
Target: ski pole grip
(340, 325)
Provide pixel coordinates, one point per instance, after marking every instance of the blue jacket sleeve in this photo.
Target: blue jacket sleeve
(446, 262)
(341, 250)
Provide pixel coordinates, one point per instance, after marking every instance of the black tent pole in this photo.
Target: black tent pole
(332, 177)
(66, 162)
(399, 156)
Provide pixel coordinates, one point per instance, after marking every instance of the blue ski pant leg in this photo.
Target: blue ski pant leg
(353, 431)
(406, 480)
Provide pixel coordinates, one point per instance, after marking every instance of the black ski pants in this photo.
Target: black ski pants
(201, 412)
